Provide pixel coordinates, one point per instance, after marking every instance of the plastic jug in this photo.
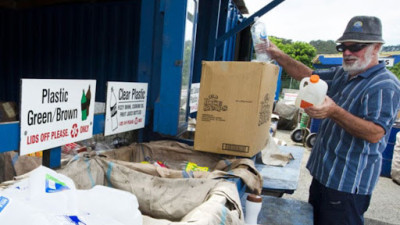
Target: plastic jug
(312, 92)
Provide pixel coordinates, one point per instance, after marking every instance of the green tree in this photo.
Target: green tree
(324, 47)
(186, 62)
(300, 51)
(396, 70)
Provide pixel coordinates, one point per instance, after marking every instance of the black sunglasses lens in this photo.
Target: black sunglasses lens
(352, 48)
(340, 48)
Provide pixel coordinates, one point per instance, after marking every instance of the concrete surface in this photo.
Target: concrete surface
(385, 204)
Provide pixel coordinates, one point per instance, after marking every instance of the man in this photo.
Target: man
(361, 106)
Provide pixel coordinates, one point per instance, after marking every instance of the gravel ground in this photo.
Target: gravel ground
(385, 204)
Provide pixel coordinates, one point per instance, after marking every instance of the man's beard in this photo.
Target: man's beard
(359, 65)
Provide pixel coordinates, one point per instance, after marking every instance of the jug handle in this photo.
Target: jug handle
(303, 81)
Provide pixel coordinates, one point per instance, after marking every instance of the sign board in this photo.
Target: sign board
(194, 97)
(55, 112)
(290, 98)
(389, 62)
(125, 107)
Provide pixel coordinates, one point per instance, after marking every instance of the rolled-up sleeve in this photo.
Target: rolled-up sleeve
(381, 106)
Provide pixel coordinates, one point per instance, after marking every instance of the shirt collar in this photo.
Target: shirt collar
(372, 70)
(369, 71)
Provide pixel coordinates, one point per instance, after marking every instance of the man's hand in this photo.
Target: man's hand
(272, 51)
(326, 109)
(354, 125)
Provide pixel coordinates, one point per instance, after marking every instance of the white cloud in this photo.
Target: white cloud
(306, 20)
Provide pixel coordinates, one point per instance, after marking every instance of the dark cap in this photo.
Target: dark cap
(363, 29)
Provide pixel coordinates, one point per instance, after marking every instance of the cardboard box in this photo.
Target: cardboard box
(235, 107)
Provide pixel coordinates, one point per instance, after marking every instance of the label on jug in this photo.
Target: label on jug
(305, 104)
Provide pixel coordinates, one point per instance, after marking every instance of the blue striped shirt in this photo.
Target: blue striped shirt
(339, 160)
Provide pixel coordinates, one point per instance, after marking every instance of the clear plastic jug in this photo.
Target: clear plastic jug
(312, 92)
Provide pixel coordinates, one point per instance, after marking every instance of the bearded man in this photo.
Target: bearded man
(358, 112)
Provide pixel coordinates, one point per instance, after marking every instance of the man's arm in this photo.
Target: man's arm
(294, 68)
(354, 125)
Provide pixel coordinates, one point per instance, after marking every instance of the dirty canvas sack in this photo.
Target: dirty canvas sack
(11, 164)
(288, 115)
(395, 172)
(271, 155)
(160, 199)
(220, 207)
(173, 153)
(7, 171)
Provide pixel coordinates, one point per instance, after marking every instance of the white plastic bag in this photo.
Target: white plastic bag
(49, 198)
(120, 205)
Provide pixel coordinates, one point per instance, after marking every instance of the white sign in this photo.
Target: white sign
(290, 98)
(55, 112)
(194, 97)
(388, 61)
(125, 107)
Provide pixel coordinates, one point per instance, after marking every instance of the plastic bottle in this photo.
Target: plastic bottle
(253, 206)
(259, 36)
(312, 92)
(113, 110)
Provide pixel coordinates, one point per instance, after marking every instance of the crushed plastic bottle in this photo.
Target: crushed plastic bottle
(259, 36)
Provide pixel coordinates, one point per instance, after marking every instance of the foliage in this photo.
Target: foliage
(300, 51)
(391, 48)
(324, 47)
(186, 62)
(396, 70)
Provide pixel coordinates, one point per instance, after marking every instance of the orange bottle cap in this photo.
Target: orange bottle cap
(314, 78)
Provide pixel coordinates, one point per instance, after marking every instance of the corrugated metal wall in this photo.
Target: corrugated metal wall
(77, 41)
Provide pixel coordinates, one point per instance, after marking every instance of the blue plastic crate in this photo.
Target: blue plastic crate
(314, 127)
(386, 167)
(388, 152)
(393, 132)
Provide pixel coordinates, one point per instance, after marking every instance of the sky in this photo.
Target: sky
(307, 20)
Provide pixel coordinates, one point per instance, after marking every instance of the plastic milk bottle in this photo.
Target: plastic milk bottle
(312, 92)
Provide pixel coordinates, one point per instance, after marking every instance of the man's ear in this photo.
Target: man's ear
(377, 47)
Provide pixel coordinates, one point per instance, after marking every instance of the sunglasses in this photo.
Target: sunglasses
(351, 48)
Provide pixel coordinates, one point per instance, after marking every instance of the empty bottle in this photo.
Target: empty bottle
(259, 36)
(253, 207)
(312, 92)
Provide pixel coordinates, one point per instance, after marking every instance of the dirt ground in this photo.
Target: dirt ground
(385, 204)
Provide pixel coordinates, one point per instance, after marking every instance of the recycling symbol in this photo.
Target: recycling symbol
(74, 130)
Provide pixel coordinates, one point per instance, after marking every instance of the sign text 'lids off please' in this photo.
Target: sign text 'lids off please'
(55, 112)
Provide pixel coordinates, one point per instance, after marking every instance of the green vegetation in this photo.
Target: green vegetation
(396, 70)
(300, 51)
(324, 47)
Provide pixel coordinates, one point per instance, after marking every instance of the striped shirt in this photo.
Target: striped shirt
(339, 160)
